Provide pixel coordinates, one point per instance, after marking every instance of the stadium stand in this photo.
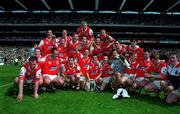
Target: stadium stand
(154, 23)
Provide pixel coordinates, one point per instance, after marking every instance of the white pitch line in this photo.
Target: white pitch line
(6, 84)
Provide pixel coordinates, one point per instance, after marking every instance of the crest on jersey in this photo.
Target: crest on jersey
(49, 62)
(28, 73)
(74, 70)
(57, 62)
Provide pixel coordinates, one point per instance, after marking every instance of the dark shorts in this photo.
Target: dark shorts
(176, 86)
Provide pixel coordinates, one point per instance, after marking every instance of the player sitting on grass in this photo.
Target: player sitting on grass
(118, 62)
(158, 73)
(107, 72)
(172, 85)
(130, 72)
(144, 67)
(93, 72)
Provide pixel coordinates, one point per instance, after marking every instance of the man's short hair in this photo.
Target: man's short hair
(94, 55)
(133, 39)
(83, 22)
(173, 53)
(71, 57)
(53, 49)
(155, 56)
(33, 58)
(37, 48)
(147, 50)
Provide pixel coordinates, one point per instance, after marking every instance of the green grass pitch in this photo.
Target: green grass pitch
(81, 102)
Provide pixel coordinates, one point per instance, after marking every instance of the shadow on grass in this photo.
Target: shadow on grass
(151, 100)
(136, 96)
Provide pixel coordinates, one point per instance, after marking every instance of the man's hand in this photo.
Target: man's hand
(19, 97)
(147, 75)
(36, 96)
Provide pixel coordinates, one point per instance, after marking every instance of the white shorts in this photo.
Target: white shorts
(82, 78)
(128, 75)
(139, 79)
(176, 92)
(157, 84)
(51, 77)
(106, 79)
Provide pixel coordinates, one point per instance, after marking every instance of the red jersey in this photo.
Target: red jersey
(121, 50)
(144, 67)
(160, 70)
(105, 36)
(51, 66)
(62, 52)
(94, 70)
(106, 69)
(46, 46)
(84, 64)
(88, 33)
(98, 50)
(84, 47)
(72, 48)
(107, 50)
(67, 39)
(70, 71)
(26, 73)
(133, 66)
(138, 50)
(41, 60)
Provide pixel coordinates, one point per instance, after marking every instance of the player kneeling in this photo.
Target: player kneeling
(29, 73)
(71, 73)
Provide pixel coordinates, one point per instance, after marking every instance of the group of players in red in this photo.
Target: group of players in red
(78, 59)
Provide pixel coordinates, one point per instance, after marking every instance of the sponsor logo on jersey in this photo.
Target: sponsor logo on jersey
(71, 75)
(142, 68)
(50, 47)
(72, 51)
(106, 71)
(99, 54)
(93, 72)
(86, 65)
(53, 68)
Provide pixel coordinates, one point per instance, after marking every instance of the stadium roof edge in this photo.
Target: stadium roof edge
(89, 11)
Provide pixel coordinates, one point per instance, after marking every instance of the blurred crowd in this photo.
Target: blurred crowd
(22, 52)
(12, 54)
(91, 18)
